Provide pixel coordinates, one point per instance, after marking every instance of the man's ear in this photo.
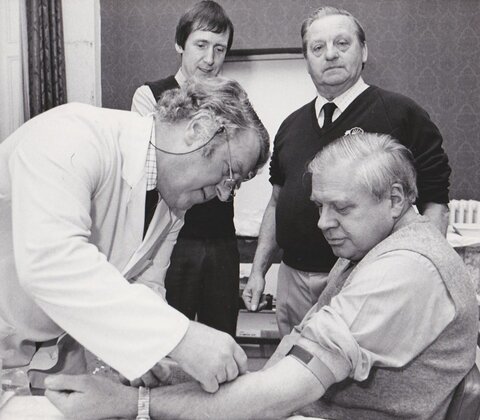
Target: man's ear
(196, 130)
(398, 199)
(178, 48)
(364, 53)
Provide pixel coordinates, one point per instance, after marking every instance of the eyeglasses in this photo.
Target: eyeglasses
(231, 183)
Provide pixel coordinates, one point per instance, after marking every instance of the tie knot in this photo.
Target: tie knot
(328, 110)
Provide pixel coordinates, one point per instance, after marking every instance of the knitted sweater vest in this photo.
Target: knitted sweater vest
(424, 387)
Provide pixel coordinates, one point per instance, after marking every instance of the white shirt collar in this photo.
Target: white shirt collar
(180, 77)
(342, 101)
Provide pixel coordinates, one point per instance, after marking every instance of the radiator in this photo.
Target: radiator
(464, 211)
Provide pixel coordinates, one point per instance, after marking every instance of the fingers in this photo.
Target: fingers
(240, 360)
(65, 382)
(263, 302)
(210, 385)
(238, 365)
(162, 372)
(57, 398)
(251, 296)
(209, 356)
(232, 371)
(247, 299)
(149, 379)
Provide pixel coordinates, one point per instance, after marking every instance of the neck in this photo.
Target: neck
(333, 91)
(408, 216)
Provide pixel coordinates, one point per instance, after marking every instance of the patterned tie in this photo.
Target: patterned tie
(328, 110)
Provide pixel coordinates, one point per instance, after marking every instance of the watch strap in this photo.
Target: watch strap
(143, 403)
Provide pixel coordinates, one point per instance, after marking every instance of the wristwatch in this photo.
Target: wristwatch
(143, 403)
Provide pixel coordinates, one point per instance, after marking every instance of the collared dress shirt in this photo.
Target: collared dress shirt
(342, 101)
(387, 314)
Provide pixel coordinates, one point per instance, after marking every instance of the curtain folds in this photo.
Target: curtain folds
(46, 55)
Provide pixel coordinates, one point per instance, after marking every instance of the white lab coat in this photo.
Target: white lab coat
(72, 258)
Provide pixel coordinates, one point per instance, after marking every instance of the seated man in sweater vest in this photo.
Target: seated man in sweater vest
(391, 336)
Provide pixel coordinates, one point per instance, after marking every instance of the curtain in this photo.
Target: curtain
(46, 55)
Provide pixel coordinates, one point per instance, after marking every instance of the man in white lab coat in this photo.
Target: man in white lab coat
(74, 255)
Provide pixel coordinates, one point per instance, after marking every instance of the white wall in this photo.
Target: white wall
(81, 26)
(276, 86)
(11, 70)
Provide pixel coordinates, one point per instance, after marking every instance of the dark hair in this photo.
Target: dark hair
(205, 15)
(328, 11)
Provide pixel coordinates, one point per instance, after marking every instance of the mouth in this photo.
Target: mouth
(335, 241)
(333, 68)
(206, 71)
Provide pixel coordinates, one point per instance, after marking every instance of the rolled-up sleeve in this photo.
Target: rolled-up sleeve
(387, 313)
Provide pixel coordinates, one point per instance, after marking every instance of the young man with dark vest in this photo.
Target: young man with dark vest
(203, 278)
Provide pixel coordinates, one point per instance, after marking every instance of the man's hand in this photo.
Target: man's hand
(160, 374)
(253, 292)
(91, 397)
(209, 356)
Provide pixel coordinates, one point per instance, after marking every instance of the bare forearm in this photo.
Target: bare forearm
(438, 215)
(267, 242)
(271, 394)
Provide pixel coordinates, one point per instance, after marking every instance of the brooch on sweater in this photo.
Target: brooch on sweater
(354, 130)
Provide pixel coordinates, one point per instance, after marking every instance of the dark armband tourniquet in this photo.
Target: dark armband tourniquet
(314, 365)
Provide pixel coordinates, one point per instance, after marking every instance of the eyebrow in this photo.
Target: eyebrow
(210, 42)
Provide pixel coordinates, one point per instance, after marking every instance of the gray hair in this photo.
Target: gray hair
(222, 102)
(380, 161)
(327, 11)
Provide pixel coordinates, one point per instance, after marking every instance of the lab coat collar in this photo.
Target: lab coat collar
(135, 135)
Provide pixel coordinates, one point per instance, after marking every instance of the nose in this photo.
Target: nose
(332, 52)
(223, 192)
(209, 57)
(326, 220)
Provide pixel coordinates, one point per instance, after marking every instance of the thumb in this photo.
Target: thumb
(256, 295)
(57, 398)
(210, 385)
